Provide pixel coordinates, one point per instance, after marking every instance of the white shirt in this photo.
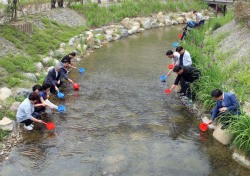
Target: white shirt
(176, 58)
(199, 17)
(187, 61)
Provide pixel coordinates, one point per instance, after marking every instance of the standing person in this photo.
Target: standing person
(175, 59)
(25, 113)
(59, 2)
(53, 78)
(185, 75)
(226, 105)
(199, 18)
(185, 57)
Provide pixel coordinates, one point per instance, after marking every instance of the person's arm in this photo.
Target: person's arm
(51, 105)
(234, 103)
(215, 112)
(172, 87)
(37, 120)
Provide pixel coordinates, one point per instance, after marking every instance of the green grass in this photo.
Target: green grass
(99, 16)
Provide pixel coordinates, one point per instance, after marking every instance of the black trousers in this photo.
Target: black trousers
(28, 121)
(52, 88)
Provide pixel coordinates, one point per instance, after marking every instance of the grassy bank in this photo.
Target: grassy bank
(99, 16)
(218, 72)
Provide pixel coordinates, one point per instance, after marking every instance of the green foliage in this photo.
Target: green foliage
(99, 16)
(3, 134)
(240, 128)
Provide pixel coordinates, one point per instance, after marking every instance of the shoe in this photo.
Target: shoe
(32, 125)
(182, 94)
(29, 128)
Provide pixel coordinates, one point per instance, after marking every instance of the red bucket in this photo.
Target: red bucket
(76, 86)
(203, 126)
(179, 36)
(167, 91)
(170, 66)
(50, 126)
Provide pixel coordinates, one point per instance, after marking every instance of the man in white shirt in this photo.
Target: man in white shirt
(199, 18)
(175, 59)
(185, 57)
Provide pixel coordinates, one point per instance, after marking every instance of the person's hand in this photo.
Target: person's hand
(210, 122)
(40, 121)
(223, 109)
(43, 104)
(51, 107)
(58, 82)
(70, 81)
(56, 88)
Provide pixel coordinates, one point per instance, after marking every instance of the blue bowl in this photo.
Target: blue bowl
(175, 44)
(60, 95)
(81, 70)
(163, 78)
(61, 108)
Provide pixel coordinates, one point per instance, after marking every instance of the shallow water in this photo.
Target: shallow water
(120, 122)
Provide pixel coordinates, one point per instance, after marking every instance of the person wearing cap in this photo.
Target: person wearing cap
(175, 59)
(185, 75)
(199, 18)
(185, 57)
(25, 113)
(226, 105)
(53, 77)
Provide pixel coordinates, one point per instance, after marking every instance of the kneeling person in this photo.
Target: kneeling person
(25, 113)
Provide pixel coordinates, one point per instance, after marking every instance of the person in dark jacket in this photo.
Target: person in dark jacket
(68, 58)
(226, 105)
(186, 75)
(53, 78)
(64, 71)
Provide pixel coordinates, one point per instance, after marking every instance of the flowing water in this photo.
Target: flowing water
(120, 122)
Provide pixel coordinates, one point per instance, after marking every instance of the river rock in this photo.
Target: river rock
(180, 20)
(1, 107)
(99, 31)
(154, 24)
(168, 22)
(5, 93)
(130, 32)
(51, 67)
(174, 22)
(147, 24)
(109, 32)
(189, 16)
(39, 66)
(222, 136)
(14, 106)
(124, 33)
(30, 76)
(89, 33)
(90, 41)
(6, 124)
(135, 29)
(161, 25)
(23, 92)
(46, 60)
(109, 38)
(160, 17)
(117, 37)
(241, 158)
(63, 45)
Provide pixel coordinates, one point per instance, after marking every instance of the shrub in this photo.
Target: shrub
(242, 11)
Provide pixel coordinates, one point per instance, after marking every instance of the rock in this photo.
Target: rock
(96, 47)
(71, 43)
(135, 29)
(222, 136)
(206, 18)
(147, 24)
(23, 92)
(14, 106)
(98, 31)
(189, 15)
(180, 20)
(160, 17)
(109, 32)
(241, 158)
(30, 76)
(56, 61)
(154, 24)
(161, 25)
(5, 93)
(46, 60)
(90, 41)
(130, 32)
(125, 23)
(6, 124)
(109, 38)
(167, 17)
(88, 33)
(141, 30)
(117, 37)
(39, 66)
(62, 45)
(174, 22)
(37, 75)
(1, 107)
(124, 33)
(168, 22)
